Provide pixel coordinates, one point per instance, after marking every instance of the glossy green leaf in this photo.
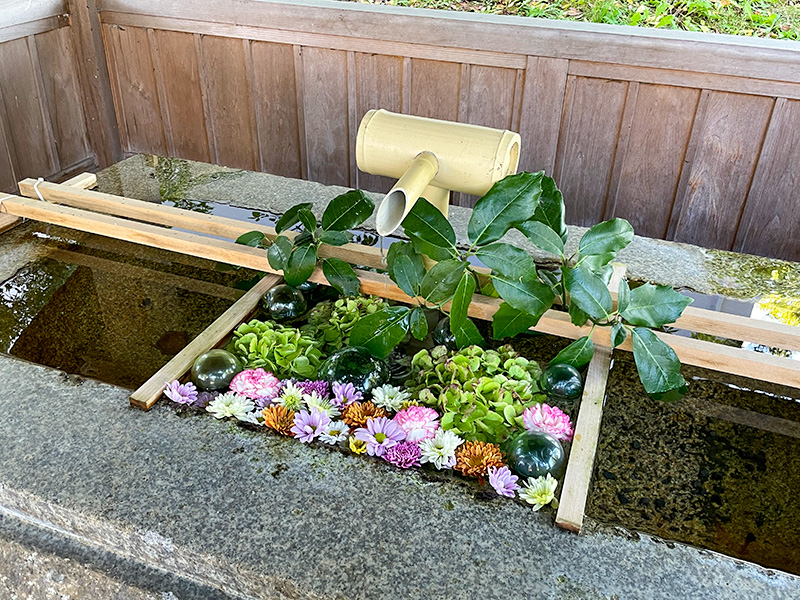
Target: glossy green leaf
(300, 265)
(381, 331)
(347, 210)
(578, 353)
(550, 278)
(508, 322)
(658, 366)
(654, 305)
(608, 237)
(405, 267)
(308, 219)
(550, 208)
(588, 291)
(510, 201)
(430, 231)
(488, 289)
(278, 253)
(418, 324)
(509, 261)
(618, 334)
(251, 238)
(541, 236)
(291, 216)
(335, 238)
(468, 335)
(576, 315)
(341, 276)
(623, 295)
(440, 283)
(528, 294)
(461, 300)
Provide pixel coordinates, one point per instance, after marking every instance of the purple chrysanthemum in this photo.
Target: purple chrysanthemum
(310, 425)
(182, 393)
(503, 481)
(403, 455)
(345, 394)
(380, 434)
(320, 386)
(203, 398)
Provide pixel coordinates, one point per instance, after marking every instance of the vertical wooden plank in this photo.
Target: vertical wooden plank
(58, 68)
(540, 114)
(325, 113)
(435, 89)
(110, 44)
(771, 218)
(587, 147)
(379, 84)
(229, 101)
(8, 178)
(352, 117)
(728, 145)
(659, 135)
(44, 107)
(247, 49)
(209, 129)
(406, 86)
(622, 146)
(491, 97)
(299, 84)
(276, 95)
(21, 100)
(137, 93)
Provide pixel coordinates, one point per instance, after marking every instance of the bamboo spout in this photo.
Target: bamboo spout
(405, 193)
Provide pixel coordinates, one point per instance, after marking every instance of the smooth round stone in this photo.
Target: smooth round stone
(307, 286)
(357, 366)
(442, 336)
(536, 453)
(561, 382)
(283, 303)
(214, 370)
(399, 367)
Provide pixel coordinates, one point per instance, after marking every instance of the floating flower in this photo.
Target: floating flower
(256, 384)
(389, 397)
(182, 393)
(230, 405)
(291, 397)
(473, 459)
(309, 425)
(403, 455)
(503, 481)
(280, 419)
(380, 434)
(203, 398)
(419, 422)
(345, 394)
(254, 418)
(540, 491)
(313, 400)
(335, 432)
(549, 419)
(358, 413)
(319, 386)
(357, 446)
(440, 450)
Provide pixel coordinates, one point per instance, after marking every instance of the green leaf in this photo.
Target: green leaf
(578, 353)
(418, 323)
(278, 253)
(300, 265)
(308, 219)
(588, 291)
(623, 295)
(549, 278)
(576, 315)
(405, 267)
(440, 283)
(550, 208)
(381, 331)
(542, 237)
(507, 260)
(335, 238)
(528, 294)
(461, 300)
(608, 237)
(654, 305)
(291, 216)
(618, 334)
(430, 231)
(468, 335)
(347, 211)
(508, 322)
(593, 262)
(510, 413)
(658, 366)
(305, 237)
(251, 238)
(510, 201)
(488, 289)
(341, 276)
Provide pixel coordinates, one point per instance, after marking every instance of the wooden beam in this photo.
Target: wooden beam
(150, 391)
(8, 221)
(83, 181)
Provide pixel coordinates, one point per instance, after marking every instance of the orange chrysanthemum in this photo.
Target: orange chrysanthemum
(357, 413)
(473, 459)
(278, 418)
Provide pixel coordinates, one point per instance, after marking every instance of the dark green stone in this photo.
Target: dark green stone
(214, 370)
(283, 303)
(357, 366)
(561, 382)
(536, 453)
(442, 336)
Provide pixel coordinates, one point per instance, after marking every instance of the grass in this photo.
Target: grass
(759, 18)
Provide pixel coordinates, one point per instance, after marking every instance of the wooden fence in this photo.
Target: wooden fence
(691, 137)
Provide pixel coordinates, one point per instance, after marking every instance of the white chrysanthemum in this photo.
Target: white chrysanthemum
(335, 432)
(230, 405)
(440, 449)
(256, 417)
(540, 491)
(389, 397)
(291, 398)
(314, 400)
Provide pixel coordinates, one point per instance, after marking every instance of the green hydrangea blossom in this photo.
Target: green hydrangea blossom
(284, 351)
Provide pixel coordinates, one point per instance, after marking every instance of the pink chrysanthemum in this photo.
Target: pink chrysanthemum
(380, 434)
(549, 419)
(503, 481)
(419, 422)
(182, 393)
(256, 384)
(403, 455)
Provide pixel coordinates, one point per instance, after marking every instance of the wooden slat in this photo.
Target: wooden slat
(150, 391)
(8, 221)
(83, 181)
(22, 30)
(491, 97)
(435, 89)
(16, 12)
(8, 176)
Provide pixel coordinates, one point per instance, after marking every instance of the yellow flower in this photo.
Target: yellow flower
(357, 446)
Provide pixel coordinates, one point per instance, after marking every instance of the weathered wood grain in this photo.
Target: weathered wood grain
(8, 177)
(435, 89)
